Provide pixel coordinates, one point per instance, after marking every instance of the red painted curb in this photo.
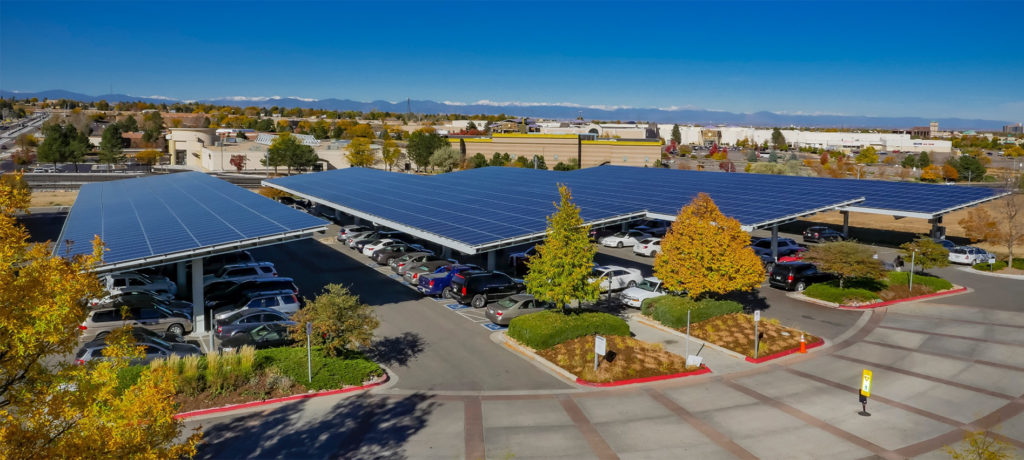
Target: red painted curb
(247, 405)
(908, 299)
(783, 353)
(703, 370)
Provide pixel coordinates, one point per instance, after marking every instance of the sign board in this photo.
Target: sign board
(693, 361)
(991, 259)
(757, 315)
(309, 328)
(599, 345)
(865, 383)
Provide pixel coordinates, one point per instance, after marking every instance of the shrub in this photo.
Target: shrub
(936, 284)
(835, 294)
(128, 376)
(1018, 263)
(349, 367)
(671, 310)
(546, 329)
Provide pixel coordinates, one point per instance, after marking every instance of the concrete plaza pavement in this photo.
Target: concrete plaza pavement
(941, 368)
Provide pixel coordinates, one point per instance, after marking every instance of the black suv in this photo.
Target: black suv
(476, 288)
(796, 276)
(820, 233)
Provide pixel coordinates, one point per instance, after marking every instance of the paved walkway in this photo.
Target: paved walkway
(939, 371)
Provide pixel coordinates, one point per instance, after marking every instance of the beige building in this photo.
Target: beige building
(563, 148)
(185, 145)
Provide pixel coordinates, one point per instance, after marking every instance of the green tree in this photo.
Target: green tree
(56, 143)
(111, 145)
(926, 253)
(846, 259)
(287, 150)
(78, 148)
(477, 161)
(538, 162)
(340, 321)
(421, 145)
(520, 162)
(359, 153)
(501, 159)
(968, 167)
(909, 161)
(561, 271)
(447, 158)
(867, 155)
(773, 157)
(676, 135)
(152, 125)
(779, 140)
(471, 126)
(752, 157)
(706, 252)
(129, 125)
(923, 160)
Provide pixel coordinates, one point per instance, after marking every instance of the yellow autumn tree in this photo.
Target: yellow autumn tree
(50, 408)
(931, 173)
(706, 252)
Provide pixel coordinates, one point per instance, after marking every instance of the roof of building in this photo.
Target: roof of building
(161, 219)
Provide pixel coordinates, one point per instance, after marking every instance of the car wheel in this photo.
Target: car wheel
(769, 267)
(447, 292)
(632, 284)
(479, 301)
(177, 330)
(801, 286)
(102, 335)
(618, 245)
(654, 253)
(390, 259)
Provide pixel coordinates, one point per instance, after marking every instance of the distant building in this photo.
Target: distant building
(563, 148)
(1013, 129)
(921, 132)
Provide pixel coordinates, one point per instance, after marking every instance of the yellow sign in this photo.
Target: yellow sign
(865, 383)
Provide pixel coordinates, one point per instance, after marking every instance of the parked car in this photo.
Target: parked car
(478, 288)
(821, 233)
(242, 272)
(517, 260)
(648, 288)
(242, 289)
(414, 271)
(269, 335)
(352, 237)
(156, 318)
(440, 283)
(386, 255)
(214, 263)
(785, 246)
(968, 255)
(140, 299)
(284, 301)
(649, 247)
(247, 320)
(797, 276)
(613, 277)
(654, 227)
(128, 281)
(505, 310)
(400, 264)
(949, 245)
(153, 348)
(349, 230)
(628, 238)
(370, 238)
(373, 247)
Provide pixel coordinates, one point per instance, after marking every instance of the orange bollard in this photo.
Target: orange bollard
(803, 344)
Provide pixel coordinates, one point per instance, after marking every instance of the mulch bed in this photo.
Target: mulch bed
(736, 332)
(627, 359)
(259, 390)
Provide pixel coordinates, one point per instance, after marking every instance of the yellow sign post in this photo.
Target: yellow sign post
(865, 391)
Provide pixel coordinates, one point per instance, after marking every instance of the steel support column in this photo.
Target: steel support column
(775, 242)
(491, 259)
(181, 277)
(846, 223)
(198, 304)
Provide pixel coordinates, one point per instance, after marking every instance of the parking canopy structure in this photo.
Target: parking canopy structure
(484, 209)
(179, 217)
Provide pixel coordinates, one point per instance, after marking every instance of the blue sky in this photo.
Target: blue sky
(929, 59)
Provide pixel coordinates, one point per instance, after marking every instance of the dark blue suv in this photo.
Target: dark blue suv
(440, 283)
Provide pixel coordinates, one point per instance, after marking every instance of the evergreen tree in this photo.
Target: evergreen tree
(111, 145)
(779, 140)
(129, 125)
(560, 273)
(677, 137)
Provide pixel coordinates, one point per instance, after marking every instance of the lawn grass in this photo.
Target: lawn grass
(862, 291)
(736, 332)
(628, 358)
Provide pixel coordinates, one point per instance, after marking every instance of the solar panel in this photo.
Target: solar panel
(158, 216)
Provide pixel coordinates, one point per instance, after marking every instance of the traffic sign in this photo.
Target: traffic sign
(865, 383)
(757, 315)
(600, 345)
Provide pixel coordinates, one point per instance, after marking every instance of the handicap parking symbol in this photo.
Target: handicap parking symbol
(456, 306)
(495, 327)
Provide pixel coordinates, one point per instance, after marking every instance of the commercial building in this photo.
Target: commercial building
(563, 148)
(796, 138)
(1013, 129)
(202, 149)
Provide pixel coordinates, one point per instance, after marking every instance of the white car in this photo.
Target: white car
(649, 247)
(618, 240)
(122, 282)
(968, 255)
(371, 248)
(283, 301)
(242, 272)
(615, 278)
(635, 296)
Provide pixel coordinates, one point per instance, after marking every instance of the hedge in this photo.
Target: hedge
(831, 293)
(546, 329)
(936, 284)
(671, 310)
(1018, 263)
(351, 369)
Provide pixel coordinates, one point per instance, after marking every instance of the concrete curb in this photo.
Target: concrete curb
(505, 340)
(800, 296)
(783, 353)
(985, 273)
(646, 322)
(248, 405)
(618, 383)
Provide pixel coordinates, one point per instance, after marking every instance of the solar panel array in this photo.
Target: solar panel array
(174, 213)
(481, 207)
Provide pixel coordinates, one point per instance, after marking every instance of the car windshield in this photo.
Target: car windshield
(506, 303)
(154, 339)
(647, 241)
(648, 285)
(597, 273)
(619, 235)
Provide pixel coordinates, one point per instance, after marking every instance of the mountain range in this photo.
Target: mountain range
(556, 111)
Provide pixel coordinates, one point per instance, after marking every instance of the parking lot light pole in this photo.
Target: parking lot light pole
(911, 288)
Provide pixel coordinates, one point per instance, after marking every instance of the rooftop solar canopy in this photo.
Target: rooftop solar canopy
(488, 208)
(162, 219)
